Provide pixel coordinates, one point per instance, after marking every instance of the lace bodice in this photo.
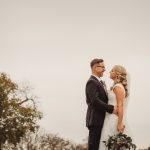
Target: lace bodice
(112, 98)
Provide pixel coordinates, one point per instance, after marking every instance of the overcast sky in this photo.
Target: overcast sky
(50, 43)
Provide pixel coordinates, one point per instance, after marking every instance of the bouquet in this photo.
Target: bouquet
(119, 142)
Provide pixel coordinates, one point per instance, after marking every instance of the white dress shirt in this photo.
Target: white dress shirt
(98, 78)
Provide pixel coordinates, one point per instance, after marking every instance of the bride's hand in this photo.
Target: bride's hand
(120, 128)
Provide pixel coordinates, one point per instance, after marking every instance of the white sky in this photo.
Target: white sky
(50, 44)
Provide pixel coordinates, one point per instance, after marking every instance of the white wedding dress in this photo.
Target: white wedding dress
(111, 120)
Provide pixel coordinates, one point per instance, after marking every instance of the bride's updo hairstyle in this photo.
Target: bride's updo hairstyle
(121, 77)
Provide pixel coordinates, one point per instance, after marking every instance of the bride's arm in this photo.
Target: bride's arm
(120, 98)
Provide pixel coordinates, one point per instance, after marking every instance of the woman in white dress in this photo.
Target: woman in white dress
(118, 96)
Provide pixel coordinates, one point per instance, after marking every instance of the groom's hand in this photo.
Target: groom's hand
(115, 111)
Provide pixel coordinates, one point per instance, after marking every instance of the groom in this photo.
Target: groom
(96, 99)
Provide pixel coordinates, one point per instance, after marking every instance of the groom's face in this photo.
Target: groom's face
(100, 68)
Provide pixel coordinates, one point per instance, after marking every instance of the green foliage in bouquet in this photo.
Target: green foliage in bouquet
(119, 141)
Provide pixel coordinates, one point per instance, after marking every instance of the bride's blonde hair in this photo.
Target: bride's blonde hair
(121, 77)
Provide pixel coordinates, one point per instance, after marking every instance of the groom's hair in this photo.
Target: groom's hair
(96, 61)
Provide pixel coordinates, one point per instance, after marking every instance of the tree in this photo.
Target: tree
(44, 141)
(18, 111)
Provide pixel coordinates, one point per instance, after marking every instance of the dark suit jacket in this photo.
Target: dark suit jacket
(96, 99)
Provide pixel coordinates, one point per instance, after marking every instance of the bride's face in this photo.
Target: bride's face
(112, 74)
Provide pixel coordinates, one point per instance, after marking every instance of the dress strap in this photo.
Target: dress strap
(119, 85)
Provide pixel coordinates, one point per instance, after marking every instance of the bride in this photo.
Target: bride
(118, 96)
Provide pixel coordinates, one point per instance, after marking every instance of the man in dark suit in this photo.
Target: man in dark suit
(96, 99)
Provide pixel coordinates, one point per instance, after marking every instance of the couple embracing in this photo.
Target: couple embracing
(106, 109)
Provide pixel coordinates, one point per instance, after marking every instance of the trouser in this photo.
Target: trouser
(94, 137)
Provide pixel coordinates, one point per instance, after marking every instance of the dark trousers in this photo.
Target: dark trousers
(94, 137)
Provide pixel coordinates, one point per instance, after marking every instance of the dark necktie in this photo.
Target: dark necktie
(102, 83)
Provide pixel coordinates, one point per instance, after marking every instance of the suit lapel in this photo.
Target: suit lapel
(100, 84)
(97, 81)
